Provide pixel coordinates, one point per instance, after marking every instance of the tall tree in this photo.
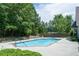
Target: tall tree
(19, 19)
(61, 23)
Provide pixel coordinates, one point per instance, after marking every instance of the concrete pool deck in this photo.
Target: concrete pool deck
(61, 48)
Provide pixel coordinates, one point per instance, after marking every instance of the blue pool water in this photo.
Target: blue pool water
(38, 42)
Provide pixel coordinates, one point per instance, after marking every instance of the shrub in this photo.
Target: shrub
(73, 34)
(18, 52)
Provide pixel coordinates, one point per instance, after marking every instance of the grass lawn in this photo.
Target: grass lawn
(18, 52)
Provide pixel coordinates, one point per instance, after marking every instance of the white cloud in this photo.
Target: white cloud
(48, 11)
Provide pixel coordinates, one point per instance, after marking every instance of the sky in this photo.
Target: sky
(47, 11)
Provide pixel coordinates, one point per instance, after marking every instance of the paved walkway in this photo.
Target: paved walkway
(61, 48)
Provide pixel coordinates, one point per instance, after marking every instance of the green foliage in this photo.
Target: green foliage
(72, 32)
(19, 18)
(61, 23)
(43, 28)
(73, 35)
(18, 52)
(10, 27)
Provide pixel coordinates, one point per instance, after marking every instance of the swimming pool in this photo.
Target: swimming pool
(38, 42)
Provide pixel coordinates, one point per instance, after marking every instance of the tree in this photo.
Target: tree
(19, 19)
(61, 23)
(43, 28)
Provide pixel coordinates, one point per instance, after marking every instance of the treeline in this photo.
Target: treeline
(19, 19)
